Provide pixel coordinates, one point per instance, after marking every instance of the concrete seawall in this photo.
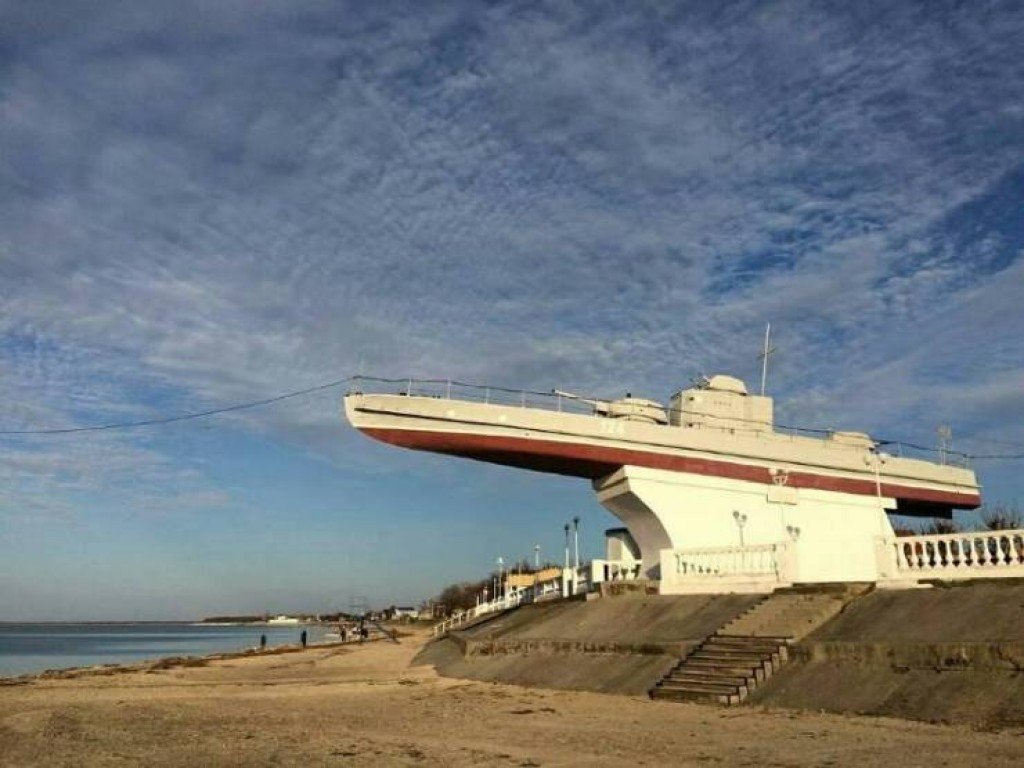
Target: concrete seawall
(938, 657)
(622, 644)
(949, 653)
(952, 653)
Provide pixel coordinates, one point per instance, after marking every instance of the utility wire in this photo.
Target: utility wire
(348, 379)
(180, 417)
(994, 456)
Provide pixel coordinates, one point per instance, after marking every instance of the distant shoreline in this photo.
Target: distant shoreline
(104, 623)
(168, 662)
(157, 663)
(32, 647)
(160, 622)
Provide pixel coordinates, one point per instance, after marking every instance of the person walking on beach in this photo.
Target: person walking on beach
(263, 642)
(302, 638)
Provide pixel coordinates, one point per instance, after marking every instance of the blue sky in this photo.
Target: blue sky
(204, 203)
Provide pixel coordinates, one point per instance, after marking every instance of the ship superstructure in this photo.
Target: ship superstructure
(710, 469)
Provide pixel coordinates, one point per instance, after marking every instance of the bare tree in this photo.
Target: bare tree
(940, 527)
(1002, 517)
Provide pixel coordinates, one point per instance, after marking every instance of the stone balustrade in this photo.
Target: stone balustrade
(513, 599)
(963, 555)
(751, 568)
(901, 562)
(614, 570)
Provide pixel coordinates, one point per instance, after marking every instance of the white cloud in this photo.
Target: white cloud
(204, 209)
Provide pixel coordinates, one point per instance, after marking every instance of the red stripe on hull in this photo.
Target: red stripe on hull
(592, 462)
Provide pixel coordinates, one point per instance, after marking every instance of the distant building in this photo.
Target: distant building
(401, 612)
(525, 580)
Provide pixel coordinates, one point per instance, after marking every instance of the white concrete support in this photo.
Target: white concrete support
(620, 545)
(828, 536)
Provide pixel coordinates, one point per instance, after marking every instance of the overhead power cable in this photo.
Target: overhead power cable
(349, 379)
(179, 417)
(993, 456)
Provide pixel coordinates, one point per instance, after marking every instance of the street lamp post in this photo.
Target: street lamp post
(880, 458)
(741, 520)
(566, 545)
(536, 556)
(501, 575)
(576, 540)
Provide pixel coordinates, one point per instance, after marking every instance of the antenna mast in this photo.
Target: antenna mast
(768, 350)
(945, 441)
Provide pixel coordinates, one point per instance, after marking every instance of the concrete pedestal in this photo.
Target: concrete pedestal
(830, 536)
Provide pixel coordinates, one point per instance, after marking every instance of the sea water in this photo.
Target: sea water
(37, 647)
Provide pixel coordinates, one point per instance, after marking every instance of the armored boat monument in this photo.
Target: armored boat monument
(713, 496)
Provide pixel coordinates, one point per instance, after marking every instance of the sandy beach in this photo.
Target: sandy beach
(370, 705)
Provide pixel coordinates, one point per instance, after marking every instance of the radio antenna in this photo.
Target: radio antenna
(945, 442)
(768, 351)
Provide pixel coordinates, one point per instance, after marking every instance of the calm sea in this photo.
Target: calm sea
(35, 647)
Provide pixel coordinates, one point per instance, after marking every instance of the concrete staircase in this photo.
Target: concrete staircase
(724, 668)
(791, 614)
(748, 650)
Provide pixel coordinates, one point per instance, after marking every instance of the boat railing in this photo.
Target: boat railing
(450, 389)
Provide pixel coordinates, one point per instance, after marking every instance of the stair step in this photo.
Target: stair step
(732, 649)
(712, 669)
(731, 645)
(772, 652)
(736, 656)
(736, 680)
(759, 673)
(737, 650)
(753, 663)
(761, 631)
(721, 698)
(699, 686)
